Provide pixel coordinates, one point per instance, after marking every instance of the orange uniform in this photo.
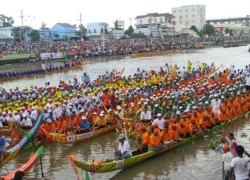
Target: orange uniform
(154, 140)
(145, 138)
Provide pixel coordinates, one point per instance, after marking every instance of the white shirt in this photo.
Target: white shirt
(227, 159)
(145, 116)
(27, 122)
(216, 104)
(159, 122)
(240, 167)
(57, 113)
(17, 119)
(125, 147)
(33, 115)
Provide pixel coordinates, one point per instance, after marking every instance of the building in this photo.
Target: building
(7, 31)
(61, 31)
(116, 34)
(187, 16)
(96, 30)
(4, 38)
(157, 24)
(45, 34)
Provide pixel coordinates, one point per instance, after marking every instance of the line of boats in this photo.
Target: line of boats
(96, 167)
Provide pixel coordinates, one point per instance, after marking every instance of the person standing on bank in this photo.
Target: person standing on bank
(239, 165)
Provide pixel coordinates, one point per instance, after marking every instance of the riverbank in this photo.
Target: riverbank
(24, 58)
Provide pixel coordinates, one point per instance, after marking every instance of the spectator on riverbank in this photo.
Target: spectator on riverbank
(239, 165)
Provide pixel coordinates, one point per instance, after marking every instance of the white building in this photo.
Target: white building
(155, 23)
(96, 30)
(186, 16)
(7, 31)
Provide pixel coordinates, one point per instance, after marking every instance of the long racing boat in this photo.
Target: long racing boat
(75, 138)
(27, 166)
(14, 151)
(103, 167)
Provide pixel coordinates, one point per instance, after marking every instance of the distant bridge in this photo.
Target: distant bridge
(234, 20)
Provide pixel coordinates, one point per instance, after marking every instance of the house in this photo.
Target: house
(45, 34)
(187, 16)
(116, 34)
(157, 24)
(4, 38)
(96, 30)
(61, 31)
(7, 31)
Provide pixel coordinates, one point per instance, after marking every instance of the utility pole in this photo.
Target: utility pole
(130, 20)
(22, 16)
(81, 26)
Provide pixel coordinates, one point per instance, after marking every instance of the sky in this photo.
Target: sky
(53, 11)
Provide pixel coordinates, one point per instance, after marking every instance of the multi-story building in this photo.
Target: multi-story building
(97, 30)
(186, 16)
(154, 23)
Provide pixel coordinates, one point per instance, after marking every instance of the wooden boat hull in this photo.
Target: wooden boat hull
(45, 73)
(14, 151)
(27, 166)
(5, 131)
(157, 53)
(120, 164)
(71, 139)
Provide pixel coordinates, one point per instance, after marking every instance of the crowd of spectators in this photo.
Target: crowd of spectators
(112, 46)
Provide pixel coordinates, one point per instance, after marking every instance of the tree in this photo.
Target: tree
(129, 31)
(208, 29)
(194, 28)
(116, 25)
(44, 26)
(228, 31)
(18, 34)
(84, 31)
(34, 35)
(6, 21)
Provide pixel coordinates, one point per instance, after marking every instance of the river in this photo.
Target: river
(190, 162)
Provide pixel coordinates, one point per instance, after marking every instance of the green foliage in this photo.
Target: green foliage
(44, 26)
(213, 144)
(194, 28)
(129, 31)
(6, 21)
(18, 34)
(34, 35)
(207, 29)
(243, 135)
(84, 31)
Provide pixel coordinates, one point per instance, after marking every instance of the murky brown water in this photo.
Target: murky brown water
(190, 161)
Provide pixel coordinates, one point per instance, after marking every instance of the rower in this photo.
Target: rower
(26, 122)
(2, 148)
(145, 115)
(84, 126)
(165, 135)
(124, 150)
(159, 121)
(143, 145)
(154, 140)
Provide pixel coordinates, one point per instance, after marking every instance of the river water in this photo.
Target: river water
(191, 161)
